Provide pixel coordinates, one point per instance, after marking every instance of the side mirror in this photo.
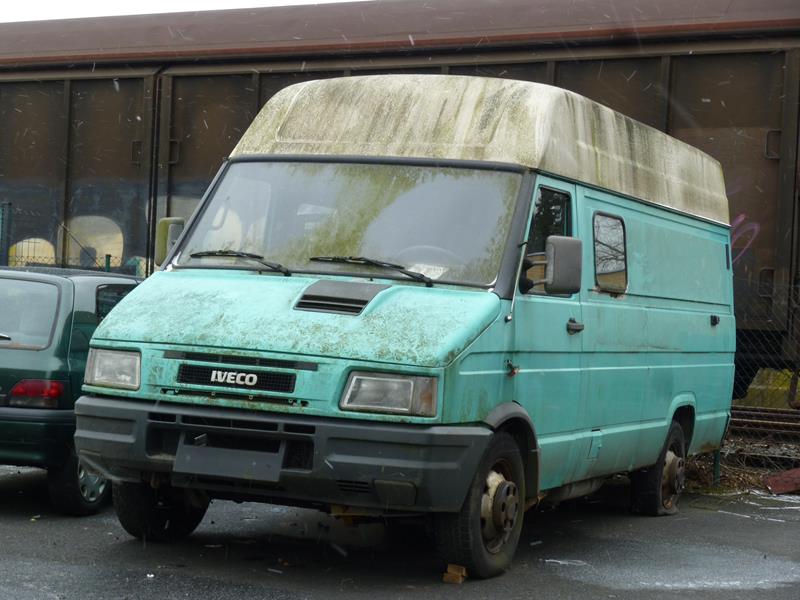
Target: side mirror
(563, 268)
(168, 230)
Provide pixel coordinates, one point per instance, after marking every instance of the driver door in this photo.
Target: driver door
(548, 383)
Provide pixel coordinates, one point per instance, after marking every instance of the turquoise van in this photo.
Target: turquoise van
(423, 294)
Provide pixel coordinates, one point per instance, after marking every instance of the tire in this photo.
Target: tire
(484, 534)
(656, 490)
(156, 515)
(74, 490)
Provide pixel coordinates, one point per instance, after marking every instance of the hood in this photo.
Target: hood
(401, 324)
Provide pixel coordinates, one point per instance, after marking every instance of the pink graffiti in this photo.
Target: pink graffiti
(741, 228)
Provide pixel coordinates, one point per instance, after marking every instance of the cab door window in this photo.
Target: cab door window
(551, 216)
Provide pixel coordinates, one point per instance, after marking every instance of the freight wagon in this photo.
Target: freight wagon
(110, 124)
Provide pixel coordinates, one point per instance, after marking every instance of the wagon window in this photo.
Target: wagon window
(610, 265)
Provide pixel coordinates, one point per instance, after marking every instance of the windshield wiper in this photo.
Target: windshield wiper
(363, 260)
(4, 337)
(249, 255)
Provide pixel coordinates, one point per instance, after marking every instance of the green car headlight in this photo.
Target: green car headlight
(113, 368)
(390, 393)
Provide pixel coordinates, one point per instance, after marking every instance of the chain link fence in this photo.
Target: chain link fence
(5, 231)
(764, 435)
(33, 251)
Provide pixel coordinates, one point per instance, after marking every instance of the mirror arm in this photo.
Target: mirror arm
(522, 247)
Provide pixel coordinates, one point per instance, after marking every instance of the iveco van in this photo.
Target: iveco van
(456, 296)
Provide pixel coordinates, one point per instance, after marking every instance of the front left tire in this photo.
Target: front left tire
(484, 534)
(163, 515)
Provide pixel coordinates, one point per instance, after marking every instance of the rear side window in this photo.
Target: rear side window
(610, 260)
(28, 313)
(107, 298)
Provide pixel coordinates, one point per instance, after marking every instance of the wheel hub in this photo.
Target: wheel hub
(499, 510)
(505, 506)
(91, 485)
(673, 479)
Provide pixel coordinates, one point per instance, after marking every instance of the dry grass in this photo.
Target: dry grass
(700, 476)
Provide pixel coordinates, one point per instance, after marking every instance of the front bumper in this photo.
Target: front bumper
(35, 437)
(281, 458)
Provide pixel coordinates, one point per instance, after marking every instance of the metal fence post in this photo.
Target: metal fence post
(5, 232)
(108, 263)
(717, 468)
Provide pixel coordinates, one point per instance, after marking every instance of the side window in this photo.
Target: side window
(551, 216)
(107, 298)
(610, 266)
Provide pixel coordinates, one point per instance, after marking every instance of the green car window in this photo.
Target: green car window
(29, 311)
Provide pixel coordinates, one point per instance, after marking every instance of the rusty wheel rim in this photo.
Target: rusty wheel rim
(673, 478)
(499, 508)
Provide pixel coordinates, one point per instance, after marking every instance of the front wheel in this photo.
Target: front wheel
(655, 490)
(484, 535)
(164, 515)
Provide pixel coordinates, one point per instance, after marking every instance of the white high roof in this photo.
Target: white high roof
(475, 118)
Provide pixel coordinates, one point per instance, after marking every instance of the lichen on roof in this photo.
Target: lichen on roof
(488, 119)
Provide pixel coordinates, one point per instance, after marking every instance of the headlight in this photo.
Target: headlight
(113, 368)
(379, 392)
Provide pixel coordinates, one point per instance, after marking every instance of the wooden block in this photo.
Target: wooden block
(784, 482)
(452, 578)
(457, 569)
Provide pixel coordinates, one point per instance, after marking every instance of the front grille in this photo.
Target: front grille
(265, 381)
(250, 361)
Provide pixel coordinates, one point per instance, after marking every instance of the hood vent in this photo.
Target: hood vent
(340, 297)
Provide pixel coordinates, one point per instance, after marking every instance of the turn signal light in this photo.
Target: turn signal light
(36, 393)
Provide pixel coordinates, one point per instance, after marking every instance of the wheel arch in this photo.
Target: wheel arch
(684, 415)
(512, 418)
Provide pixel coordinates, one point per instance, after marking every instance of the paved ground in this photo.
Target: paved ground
(732, 547)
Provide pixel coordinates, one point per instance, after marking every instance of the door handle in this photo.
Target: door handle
(574, 327)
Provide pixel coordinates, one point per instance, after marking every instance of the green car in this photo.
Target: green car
(47, 319)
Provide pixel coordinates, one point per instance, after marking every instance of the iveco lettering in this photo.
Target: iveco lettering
(232, 378)
(460, 297)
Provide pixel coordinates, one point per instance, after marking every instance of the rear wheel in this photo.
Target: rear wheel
(158, 515)
(484, 535)
(74, 490)
(656, 490)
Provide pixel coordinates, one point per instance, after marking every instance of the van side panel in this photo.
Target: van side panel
(666, 341)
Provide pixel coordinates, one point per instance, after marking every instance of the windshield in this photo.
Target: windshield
(29, 310)
(449, 224)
